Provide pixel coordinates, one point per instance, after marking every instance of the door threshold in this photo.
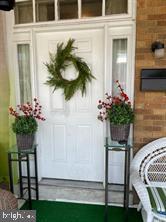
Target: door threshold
(79, 184)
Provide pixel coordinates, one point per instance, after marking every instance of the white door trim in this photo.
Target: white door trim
(27, 34)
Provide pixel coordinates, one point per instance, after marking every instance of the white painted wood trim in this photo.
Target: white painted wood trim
(103, 8)
(56, 10)
(100, 19)
(34, 10)
(35, 93)
(44, 29)
(79, 9)
(71, 27)
(33, 68)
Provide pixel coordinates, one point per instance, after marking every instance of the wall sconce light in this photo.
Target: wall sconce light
(158, 49)
(7, 5)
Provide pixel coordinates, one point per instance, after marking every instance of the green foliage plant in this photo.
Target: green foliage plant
(25, 118)
(25, 125)
(116, 109)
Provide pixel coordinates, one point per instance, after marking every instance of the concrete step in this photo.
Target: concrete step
(79, 191)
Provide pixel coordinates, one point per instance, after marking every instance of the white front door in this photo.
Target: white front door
(71, 138)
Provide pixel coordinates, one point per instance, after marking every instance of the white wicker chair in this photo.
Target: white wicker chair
(148, 171)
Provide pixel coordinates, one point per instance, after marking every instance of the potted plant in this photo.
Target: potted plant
(25, 124)
(118, 110)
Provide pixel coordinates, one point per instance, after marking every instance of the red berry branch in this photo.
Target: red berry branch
(28, 110)
(106, 105)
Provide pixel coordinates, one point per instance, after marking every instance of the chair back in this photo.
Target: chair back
(150, 163)
(153, 173)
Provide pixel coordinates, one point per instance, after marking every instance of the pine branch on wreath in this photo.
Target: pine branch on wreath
(59, 62)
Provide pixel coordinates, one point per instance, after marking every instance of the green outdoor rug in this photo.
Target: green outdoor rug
(51, 211)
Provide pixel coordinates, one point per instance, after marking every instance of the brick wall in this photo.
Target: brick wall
(150, 107)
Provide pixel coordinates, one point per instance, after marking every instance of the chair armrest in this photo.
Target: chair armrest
(141, 191)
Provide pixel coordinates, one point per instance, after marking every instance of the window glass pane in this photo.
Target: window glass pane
(23, 12)
(68, 9)
(119, 63)
(116, 7)
(91, 8)
(45, 10)
(23, 51)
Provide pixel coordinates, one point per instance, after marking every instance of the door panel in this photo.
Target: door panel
(71, 139)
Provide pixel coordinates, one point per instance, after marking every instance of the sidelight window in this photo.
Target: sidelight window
(23, 52)
(119, 63)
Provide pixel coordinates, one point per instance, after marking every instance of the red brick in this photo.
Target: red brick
(157, 17)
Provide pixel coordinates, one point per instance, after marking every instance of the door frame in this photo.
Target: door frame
(111, 30)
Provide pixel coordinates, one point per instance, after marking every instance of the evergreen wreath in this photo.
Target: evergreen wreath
(59, 62)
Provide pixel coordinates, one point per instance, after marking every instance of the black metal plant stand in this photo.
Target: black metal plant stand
(123, 147)
(20, 157)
